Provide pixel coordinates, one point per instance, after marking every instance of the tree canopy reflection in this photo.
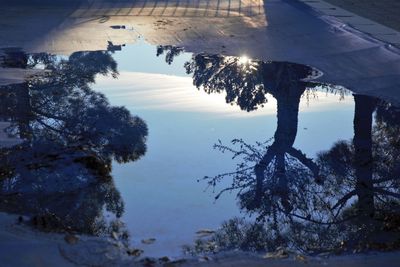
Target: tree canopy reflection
(69, 136)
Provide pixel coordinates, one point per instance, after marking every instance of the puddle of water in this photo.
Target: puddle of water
(129, 136)
(184, 123)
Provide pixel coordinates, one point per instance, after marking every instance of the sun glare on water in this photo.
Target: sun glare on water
(243, 60)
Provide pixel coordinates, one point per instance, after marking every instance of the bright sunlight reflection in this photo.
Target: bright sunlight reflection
(244, 60)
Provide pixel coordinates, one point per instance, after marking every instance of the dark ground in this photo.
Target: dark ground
(386, 12)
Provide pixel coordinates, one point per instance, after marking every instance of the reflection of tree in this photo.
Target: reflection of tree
(247, 84)
(69, 136)
(356, 207)
(61, 107)
(364, 174)
(310, 205)
(57, 201)
(242, 83)
(355, 159)
(170, 52)
(370, 161)
(271, 176)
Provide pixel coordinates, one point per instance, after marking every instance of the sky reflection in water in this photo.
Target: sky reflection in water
(159, 196)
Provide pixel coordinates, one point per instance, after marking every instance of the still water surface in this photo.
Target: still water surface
(184, 123)
(289, 167)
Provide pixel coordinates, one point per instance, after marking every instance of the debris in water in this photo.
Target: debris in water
(205, 232)
(148, 241)
(280, 253)
(135, 252)
(301, 258)
(204, 259)
(115, 235)
(149, 262)
(71, 239)
(164, 259)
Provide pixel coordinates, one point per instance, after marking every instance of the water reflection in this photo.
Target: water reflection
(59, 172)
(247, 85)
(345, 198)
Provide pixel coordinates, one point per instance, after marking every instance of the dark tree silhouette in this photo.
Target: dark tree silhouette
(170, 52)
(247, 84)
(356, 208)
(364, 174)
(61, 107)
(59, 173)
(346, 198)
(313, 205)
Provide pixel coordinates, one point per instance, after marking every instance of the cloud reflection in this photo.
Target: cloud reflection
(160, 92)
